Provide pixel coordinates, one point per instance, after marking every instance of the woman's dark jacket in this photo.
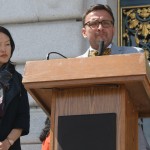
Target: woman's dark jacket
(16, 108)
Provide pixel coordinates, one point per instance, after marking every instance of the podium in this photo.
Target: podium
(118, 85)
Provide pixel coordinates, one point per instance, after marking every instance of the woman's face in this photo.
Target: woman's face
(5, 49)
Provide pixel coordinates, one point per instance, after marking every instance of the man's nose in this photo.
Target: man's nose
(100, 26)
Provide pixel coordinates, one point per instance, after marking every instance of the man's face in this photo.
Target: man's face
(95, 31)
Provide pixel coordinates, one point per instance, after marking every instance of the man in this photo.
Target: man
(98, 25)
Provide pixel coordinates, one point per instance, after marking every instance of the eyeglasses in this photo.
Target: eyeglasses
(95, 24)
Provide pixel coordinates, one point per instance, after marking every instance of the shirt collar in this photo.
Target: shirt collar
(110, 45)
(91, 48)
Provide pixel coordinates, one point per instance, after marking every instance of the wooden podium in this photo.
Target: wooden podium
(117, 84)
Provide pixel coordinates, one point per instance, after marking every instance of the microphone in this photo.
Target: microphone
(47, 57)
(101, 48)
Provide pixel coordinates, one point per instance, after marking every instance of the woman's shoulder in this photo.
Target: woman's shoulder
(18, 74)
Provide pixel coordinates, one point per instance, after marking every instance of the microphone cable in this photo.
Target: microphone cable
(48, 55)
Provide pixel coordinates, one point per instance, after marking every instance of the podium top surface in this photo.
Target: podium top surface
(130, 69)
(66, 72)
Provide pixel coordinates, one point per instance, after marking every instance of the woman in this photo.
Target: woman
(14, 104)
(45, 135)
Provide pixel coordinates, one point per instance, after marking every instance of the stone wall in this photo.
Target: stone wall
(39, 27)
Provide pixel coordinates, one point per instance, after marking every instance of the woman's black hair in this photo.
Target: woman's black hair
(45, 131)
(5, 31)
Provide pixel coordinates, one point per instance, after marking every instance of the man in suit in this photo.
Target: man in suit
(98, 25)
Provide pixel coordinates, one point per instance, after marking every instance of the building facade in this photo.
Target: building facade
(42, 26)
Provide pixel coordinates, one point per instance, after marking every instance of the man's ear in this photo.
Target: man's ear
(84, 32)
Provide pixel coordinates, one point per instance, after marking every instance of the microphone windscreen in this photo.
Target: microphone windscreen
(101, 48)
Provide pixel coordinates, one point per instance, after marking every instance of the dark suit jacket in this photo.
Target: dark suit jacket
(16, 110)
